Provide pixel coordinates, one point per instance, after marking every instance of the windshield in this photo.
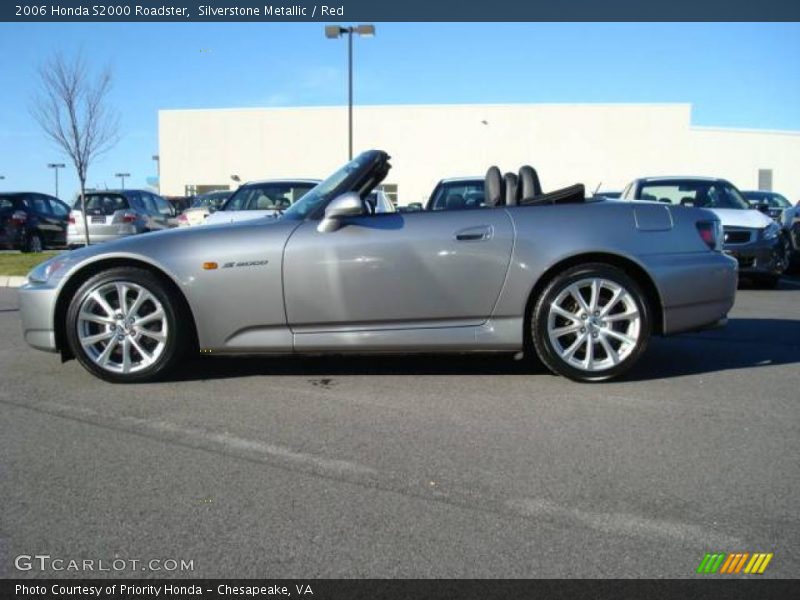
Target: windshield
(699, 193)
(457, 194)
(338, 183)
(103, 204)
(213, 200)
(770, 199)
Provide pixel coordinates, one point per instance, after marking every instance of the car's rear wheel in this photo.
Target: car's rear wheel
(592, 323)
(33, 243)
(122, 326)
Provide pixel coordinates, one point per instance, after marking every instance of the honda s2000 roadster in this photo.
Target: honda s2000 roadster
(581, 282)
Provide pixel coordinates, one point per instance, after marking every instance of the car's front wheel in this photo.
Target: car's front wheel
(122, 326)
(591, 323)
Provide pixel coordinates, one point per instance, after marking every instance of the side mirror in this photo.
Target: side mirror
(346, 205)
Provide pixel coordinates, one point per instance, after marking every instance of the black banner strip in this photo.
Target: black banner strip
(405, 10)
(396, 589)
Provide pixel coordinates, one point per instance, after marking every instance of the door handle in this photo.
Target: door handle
(474, 234)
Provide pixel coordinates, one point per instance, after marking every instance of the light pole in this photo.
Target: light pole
(157, 158)
(333, 32)
(56, 167)
(122, 177)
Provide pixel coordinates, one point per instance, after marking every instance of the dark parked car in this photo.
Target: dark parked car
(770, 203)
(30, 221)
(787, 216)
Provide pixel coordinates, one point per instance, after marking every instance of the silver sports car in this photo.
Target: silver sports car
(581, 282)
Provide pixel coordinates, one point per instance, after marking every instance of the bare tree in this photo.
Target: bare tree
(72, 108)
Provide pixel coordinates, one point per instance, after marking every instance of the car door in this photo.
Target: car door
(165, 212)
(155, 218)
(47, 226)
(60, 213)
(397, 270)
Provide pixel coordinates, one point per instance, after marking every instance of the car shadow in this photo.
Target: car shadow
(743, 343)
(787, 283)
(223, 367)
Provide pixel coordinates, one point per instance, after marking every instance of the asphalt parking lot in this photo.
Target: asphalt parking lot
(412, 467)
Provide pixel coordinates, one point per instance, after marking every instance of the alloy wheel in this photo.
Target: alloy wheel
(594, 324)
(122, 327)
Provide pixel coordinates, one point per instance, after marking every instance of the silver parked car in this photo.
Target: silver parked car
(114, 214)
(582, 282)
(261, 199)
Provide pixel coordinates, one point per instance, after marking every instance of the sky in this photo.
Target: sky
(744, 75)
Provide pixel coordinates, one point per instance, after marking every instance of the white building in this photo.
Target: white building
(595, 144)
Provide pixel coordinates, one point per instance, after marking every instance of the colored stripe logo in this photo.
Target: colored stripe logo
(734, 562)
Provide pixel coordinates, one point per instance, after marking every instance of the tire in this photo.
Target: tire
(562, 330)
(149, 331)
(32, 243)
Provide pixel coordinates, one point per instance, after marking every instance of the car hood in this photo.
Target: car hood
(734, 217)
(149, 243)
(236, 216)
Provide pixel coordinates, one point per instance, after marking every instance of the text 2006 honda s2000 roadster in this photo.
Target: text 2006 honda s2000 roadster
(581, 282)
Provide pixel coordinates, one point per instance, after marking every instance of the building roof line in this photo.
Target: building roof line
(437, 105)
(745, 130)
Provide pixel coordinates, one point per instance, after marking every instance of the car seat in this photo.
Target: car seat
(529, 186)
(455, 202)
(493, 187)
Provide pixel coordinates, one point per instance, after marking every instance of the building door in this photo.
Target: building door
(765, 180)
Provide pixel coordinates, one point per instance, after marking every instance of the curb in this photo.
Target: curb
(12, 281)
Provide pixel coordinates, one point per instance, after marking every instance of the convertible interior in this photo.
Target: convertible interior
(517, 189)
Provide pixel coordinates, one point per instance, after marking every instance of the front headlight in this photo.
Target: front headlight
(49, 269)
(771, 231)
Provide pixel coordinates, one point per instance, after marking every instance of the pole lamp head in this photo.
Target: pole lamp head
(334, 31)
(365, 30)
